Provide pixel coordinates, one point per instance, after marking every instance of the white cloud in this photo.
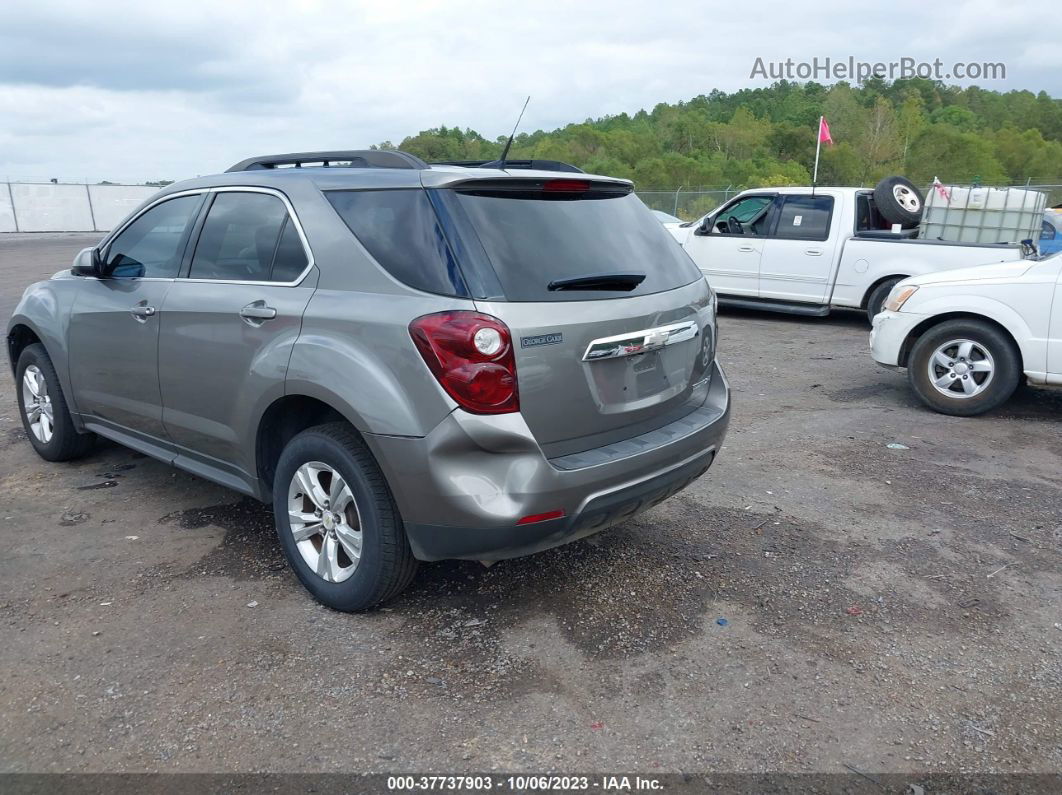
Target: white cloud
(134, 91)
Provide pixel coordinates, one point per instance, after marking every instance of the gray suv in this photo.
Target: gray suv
(411, 362)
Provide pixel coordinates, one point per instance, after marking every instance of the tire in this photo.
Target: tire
(878, 296)
(40, 396)
(368, 522)
(994, 378)
(899, 201)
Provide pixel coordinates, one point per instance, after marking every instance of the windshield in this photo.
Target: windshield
(533, 242)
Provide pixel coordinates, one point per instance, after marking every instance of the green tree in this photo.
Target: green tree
(766, 136)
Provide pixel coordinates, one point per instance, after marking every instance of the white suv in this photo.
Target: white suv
(968, 336)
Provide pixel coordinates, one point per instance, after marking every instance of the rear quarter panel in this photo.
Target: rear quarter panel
(355, 354)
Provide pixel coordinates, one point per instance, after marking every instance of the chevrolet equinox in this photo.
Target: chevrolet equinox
(411, 362)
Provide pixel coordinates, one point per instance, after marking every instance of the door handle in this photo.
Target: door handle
(257, 311)
(142, 312)
(813, 252)
(746, 249)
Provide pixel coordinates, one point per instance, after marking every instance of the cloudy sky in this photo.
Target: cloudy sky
(147, 90)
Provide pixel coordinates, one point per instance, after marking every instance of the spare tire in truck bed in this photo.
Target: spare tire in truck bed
(899, 201)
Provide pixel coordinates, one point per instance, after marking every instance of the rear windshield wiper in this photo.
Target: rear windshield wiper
(599, 281)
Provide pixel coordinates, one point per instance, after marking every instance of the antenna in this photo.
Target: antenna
(509, 143)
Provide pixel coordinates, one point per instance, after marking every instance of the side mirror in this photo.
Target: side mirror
(705, 227)
(87, 263)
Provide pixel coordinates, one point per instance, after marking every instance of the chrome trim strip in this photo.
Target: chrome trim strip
(227, 189)
(720, 272)
(789, 277)
(638, 342)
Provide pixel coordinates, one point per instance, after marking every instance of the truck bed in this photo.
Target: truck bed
(870, 259)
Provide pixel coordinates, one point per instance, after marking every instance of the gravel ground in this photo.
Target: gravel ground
(888, 610)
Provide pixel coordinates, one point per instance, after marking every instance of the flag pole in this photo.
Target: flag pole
(818, 148)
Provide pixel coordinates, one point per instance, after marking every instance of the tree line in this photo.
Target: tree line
(766, 137)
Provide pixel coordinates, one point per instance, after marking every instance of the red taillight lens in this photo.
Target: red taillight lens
(566, 186)
(471, 356)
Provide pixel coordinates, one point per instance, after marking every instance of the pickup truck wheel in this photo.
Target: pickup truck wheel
(43, 408)
(899, 201)
(880, 294)
(964, 368)
(338, 524)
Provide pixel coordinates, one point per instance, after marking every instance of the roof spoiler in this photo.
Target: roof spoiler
(355, 158)
(535, 165)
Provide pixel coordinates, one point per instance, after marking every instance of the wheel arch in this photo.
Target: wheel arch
(286, 417)
(20, 335)
(23, 332)
(865, 301)
(931, 322)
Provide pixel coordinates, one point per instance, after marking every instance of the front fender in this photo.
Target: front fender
(44, 309)
(1033, 345)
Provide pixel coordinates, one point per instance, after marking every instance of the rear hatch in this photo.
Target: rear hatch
(611, 321)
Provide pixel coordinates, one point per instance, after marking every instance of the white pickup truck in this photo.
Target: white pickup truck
(804, 252)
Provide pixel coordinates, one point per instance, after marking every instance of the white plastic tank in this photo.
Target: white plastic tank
(982, 215)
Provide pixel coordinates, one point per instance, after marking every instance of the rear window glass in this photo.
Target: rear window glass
(532, 241)
(401, 232)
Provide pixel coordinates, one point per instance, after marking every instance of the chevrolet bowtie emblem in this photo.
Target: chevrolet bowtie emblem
(640, 341)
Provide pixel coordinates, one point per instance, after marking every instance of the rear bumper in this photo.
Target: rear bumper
(462, 489)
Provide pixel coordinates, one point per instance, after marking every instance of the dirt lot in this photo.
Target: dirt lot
(890, 610)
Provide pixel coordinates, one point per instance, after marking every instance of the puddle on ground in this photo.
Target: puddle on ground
(249, 549)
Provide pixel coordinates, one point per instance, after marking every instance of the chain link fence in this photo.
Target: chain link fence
(685, 202)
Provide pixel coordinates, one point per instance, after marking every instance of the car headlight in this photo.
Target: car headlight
(898, 297)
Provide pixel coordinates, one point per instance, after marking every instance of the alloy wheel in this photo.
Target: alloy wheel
(325, 521)
(961, 368)
(37, 404)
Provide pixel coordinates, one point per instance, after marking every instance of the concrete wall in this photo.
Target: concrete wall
(30, 207)
(7, 210)
(112, 203)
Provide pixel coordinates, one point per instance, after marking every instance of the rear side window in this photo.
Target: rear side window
(290, 260)
(531, 241)
(400, 230)
(248, 237)
(805, 218)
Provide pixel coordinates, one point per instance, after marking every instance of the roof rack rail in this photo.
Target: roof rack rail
(356, 158)
(536, 165)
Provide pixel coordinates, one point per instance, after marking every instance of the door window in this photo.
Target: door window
(248, 237)
(152, 246)
(745, 217)
(805, 218)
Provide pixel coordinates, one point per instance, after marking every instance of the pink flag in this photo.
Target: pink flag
(944, 194)
(824, 131)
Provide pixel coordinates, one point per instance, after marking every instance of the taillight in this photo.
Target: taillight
(471, 356)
